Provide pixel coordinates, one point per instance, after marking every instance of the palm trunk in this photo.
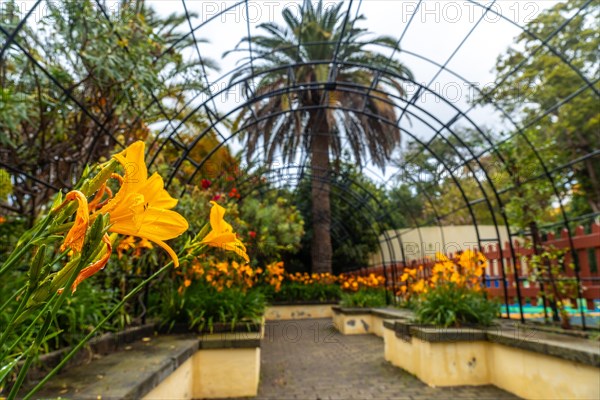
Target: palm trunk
(321, 251)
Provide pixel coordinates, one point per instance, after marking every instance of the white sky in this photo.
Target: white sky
(435, 32)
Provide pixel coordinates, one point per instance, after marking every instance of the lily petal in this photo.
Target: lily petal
(76, 235)
(95, 266)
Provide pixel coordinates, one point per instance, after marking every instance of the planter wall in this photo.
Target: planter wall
(361, 321)
(168, 366)
(530, 367)
(223, 353)
(213, 373)
(282, 311)
(350, 321)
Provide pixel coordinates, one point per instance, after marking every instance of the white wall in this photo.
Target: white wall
(431, 241)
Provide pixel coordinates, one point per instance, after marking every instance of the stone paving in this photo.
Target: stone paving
(308, 359)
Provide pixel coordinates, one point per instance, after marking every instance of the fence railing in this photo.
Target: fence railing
(585, 245)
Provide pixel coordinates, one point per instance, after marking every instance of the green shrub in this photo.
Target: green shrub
(297, 291)
(202, 306)
(364, 298)
(450, 305)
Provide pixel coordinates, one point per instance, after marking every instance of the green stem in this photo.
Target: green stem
(12, 297)
(15, 257)
(82, 263)
(29, 328)
(93, 332)
(30, 357)
(14, 317)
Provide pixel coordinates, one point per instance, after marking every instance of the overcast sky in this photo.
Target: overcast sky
(435, 32)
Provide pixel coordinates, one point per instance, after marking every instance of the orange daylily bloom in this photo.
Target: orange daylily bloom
(222, 234)
(76, 235)
(124, 245)
(142, 206)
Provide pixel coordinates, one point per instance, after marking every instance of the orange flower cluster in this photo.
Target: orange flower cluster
(226, 275)
(221, 274)
(130, 243)
(274, 274)
(354, 283)
(307, 279)
(464, 270)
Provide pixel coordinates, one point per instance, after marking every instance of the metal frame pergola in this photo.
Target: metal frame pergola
(441, 131)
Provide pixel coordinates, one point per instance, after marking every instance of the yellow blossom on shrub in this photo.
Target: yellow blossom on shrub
(465, 271)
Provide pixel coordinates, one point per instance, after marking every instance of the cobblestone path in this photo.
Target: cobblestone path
(308, 359)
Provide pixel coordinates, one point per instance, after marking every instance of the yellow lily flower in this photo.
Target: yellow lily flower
(222, 234)
(142, 206)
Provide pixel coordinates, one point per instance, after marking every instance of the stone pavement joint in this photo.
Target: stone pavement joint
(310, 360)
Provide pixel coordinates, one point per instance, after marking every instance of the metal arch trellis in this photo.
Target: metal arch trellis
(467, 201)
(237, 4)
(494, 148)
(547, 173)
(286, 90)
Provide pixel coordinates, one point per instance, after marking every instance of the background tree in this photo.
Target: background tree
(320, 117)
(115, 68)
(433, 186)
(360, 212)
(542, 81)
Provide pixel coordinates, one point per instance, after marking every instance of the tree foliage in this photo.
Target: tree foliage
(537, 81)
(77, 81)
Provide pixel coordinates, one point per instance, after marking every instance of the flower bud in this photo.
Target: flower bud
(36, 266)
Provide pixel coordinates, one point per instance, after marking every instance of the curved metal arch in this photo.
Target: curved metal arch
(479, 130)
(492, 211)
(389, 122)
(487, 8)
(283, 112)
(307, 87)
(242, 2)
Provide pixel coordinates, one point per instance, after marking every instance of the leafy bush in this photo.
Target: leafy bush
(201, 306)
(364, 298)
(297, 291)
(452, 305)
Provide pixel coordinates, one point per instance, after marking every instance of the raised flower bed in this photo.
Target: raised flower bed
(167, 366)
(529, 363)
(299, 310)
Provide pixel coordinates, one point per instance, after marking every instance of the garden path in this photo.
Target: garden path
(308, 359)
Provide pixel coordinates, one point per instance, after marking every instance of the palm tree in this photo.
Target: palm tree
(319, 103)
